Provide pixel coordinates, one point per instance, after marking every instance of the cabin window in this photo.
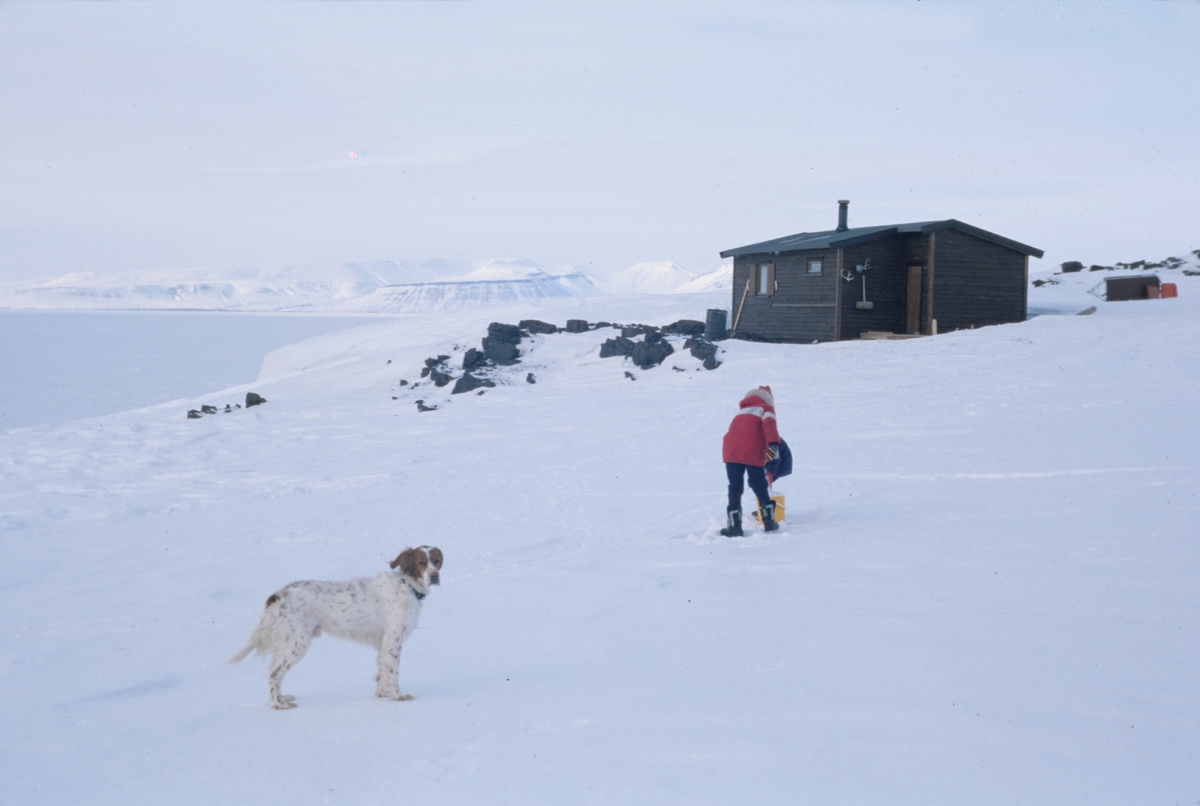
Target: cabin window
(765, 279)
(814, 267)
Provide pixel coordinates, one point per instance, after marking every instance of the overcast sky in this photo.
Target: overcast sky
(148, 136)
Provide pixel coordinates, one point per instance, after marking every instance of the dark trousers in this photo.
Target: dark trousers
(758, 483)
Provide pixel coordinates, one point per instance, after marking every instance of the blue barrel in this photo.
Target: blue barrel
(714, 324)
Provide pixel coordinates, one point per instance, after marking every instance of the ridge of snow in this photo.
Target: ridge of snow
(316, 288)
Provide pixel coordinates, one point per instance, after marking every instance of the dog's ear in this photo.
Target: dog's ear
(406, 562)
(435, 557)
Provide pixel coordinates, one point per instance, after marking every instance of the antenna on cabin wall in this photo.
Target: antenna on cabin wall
(863, 304)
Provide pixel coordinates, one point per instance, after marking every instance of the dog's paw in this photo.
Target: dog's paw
(393, 695)
(284, 704)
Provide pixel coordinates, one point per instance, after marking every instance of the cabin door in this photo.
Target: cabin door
(912, 322)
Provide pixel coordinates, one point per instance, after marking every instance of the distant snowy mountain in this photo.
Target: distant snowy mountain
(496, 282)
(717, 280)
(651, 277)
(413, 286)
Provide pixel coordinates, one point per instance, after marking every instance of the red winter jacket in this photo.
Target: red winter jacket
(752, 429)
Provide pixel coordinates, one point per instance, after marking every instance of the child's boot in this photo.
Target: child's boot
(734, 529)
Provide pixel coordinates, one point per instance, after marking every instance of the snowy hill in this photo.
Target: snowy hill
(652, 277)
(497, 282)
(717, 280)
(988, 598)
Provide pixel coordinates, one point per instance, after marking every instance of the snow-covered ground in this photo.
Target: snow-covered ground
(984, 591)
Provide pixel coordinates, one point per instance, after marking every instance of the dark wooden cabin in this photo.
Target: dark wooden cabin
(921, 278)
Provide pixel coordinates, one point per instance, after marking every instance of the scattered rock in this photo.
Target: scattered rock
(537, 326)
(629, 375)
(422, 407)
(208, 409)
(403, 382)
(254, 399)
(1071, 266)
(685, 327)
(1095, 267)
(530, 379)
(473, 359)
(577, 326)
(389, 360)
(677, 369)
(500, 344)
(228, 408)
(650, 354)
(469, 383)
(193, 414)
(617, 346)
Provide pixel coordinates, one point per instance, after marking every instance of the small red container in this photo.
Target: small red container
(1169, 290)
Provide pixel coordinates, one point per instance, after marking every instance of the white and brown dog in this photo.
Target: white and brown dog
(380, 611)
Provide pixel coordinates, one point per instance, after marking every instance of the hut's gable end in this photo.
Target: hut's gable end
(801, 304)
(976, 283)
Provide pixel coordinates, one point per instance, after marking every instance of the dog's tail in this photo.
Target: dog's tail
(247, 649)
(257, 643)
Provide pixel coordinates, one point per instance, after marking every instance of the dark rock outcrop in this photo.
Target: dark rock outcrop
(577, 326)
(703, 350)
(469, 383)
(617, 346)
(537, 326)
(685, 327)
(500, 344)
(254, 399)
(474, 359)
(647, 354)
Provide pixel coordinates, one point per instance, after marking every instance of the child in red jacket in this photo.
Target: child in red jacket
(751, 450)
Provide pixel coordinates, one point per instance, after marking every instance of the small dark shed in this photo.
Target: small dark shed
(921, 278)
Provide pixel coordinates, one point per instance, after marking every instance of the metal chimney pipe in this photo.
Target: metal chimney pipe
(843, 211)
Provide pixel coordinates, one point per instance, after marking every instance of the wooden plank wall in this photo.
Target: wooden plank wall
(802, 307)
(887, 288)
(976, 283)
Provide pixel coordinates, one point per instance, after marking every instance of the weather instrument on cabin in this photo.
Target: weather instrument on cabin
(861, 270)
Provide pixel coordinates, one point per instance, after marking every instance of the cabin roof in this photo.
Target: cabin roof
(833, 239)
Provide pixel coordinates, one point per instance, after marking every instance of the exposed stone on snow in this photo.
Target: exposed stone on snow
(537, 326)
(685, 327)
(469, 383)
